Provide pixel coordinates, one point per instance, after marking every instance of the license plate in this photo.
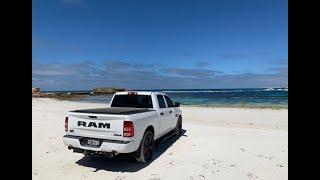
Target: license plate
(93, 142)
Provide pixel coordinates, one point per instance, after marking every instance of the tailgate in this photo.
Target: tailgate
(102, 126)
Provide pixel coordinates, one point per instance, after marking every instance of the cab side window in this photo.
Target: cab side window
(169, 102)
(161, 102)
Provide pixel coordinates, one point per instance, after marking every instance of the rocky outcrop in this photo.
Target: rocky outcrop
(37, 93)
(106, 90)
(35, 90)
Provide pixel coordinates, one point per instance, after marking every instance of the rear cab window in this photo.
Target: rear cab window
(137, 101)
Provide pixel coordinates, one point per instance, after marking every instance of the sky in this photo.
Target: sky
(159, 44)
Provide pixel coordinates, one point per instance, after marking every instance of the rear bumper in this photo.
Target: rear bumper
(106, 145)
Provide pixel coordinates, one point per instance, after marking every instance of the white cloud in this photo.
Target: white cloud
(88, 75)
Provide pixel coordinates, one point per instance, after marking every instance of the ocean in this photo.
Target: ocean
(246, 98)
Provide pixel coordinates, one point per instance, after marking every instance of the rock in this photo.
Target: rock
(37, 93)
(106, 90)
(35, 90)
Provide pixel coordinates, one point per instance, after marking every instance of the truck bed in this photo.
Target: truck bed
(114, 110)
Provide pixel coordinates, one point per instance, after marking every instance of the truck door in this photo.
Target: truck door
(173, 112)
(164, 115)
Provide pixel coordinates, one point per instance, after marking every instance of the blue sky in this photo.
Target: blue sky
(82, 44)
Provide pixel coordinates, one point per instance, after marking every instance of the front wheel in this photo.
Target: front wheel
(179, 126)
(146, 148)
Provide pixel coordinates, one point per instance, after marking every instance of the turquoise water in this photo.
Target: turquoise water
(262, 98)
(250, 98)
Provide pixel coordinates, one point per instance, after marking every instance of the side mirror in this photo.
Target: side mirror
(176, 104)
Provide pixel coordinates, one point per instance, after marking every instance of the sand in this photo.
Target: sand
(217, 143)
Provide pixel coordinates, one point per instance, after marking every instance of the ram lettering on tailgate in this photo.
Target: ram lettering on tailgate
(93, 124)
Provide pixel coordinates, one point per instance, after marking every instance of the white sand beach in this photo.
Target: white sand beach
(218, 143)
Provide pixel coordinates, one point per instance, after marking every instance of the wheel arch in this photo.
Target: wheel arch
(149, 128)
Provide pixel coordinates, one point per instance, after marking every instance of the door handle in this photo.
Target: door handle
(170, 111)
(161, 113)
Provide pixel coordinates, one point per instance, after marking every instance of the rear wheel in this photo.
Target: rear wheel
(146, 148)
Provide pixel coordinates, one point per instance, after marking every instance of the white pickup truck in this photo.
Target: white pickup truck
(131, 124)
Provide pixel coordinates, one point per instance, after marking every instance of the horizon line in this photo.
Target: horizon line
(169, 89)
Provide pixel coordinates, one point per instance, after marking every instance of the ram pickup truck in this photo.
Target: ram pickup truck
(131, 124)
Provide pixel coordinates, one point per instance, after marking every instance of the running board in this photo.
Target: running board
(167, 136)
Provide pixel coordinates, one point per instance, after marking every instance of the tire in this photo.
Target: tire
(179, 126)
(146, 148)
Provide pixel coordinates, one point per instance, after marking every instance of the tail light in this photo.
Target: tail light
(66, 124)
(128, 129)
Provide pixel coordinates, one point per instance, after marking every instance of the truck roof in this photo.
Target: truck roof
(139, 92)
